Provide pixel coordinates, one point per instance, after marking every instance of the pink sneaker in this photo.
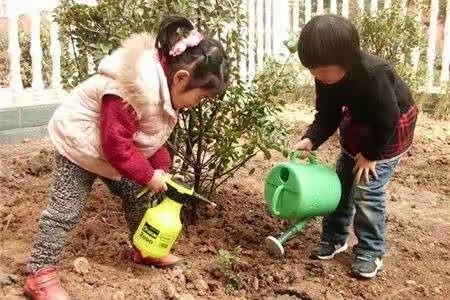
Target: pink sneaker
(45, 285)
(163, 262)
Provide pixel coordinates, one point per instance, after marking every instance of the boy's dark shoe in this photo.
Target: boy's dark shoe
(366, 267)
(327, 250)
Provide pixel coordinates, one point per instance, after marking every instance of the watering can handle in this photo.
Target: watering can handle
(294, 155)
(276, 197)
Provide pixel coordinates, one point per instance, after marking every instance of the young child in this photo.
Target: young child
(363, 96)
(113, 126)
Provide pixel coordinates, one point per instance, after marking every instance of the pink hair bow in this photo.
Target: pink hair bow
(193, 39)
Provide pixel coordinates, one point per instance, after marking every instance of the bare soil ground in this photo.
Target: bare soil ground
(417, 264)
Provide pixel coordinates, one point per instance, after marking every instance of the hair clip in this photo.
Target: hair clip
(193, 39)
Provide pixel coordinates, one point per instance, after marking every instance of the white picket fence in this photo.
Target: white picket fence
(270, 22)
(36, 10)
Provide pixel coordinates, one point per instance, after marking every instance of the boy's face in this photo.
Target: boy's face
(328, 74)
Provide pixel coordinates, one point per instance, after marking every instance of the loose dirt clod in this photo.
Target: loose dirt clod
(119, 295)
(81, 265)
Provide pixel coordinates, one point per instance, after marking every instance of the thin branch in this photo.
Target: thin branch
(91, 30)
(213, 181)
(214, 115)
(188, 128)
(198, 168)
(182, 155)
(74, 51)
(213, 160)
(235, 168)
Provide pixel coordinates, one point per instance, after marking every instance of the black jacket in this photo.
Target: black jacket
(375, 98)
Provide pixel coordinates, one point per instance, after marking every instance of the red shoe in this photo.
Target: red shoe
(163, 262)
(45, 285)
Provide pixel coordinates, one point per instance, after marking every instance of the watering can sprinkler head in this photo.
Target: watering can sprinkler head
(274, 246)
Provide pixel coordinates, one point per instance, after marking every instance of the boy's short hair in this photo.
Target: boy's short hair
(329, 40)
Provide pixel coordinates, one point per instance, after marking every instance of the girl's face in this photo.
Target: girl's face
(328, 74)
(184, 96)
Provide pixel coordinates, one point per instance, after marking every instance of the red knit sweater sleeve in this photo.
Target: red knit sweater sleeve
(161, 159)
(117, 127)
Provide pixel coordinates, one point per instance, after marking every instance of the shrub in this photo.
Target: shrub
(214, 140)
(284, 82)
(393, 36)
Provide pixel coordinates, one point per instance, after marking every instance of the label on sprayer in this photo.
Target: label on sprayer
(152, 235)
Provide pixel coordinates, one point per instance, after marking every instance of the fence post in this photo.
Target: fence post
(260, 33)
(345, 8)
(333, 6)
(15, 80)
(55, 52)
(243, 73)
(3, 8)
(446, 49)
(404, 7)
(373, 7)
(36, 49)
(308, 10)
(432, 35)
(268, 29)
(415, 54)
(251, 39)
(281, 27)
(361, 5)
(295, 17)
(320, 9)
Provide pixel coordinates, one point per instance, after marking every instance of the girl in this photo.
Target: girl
(113, 126)
(376, 113)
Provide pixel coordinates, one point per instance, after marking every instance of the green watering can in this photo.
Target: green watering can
(298, 191)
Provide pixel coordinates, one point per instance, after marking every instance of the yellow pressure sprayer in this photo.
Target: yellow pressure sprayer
(161, 224)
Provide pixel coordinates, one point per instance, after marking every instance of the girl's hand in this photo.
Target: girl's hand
(158, 182)
(363, 167)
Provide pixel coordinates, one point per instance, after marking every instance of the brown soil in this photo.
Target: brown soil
(417, 265)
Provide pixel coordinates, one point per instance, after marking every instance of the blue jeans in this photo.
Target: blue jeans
(366, 203)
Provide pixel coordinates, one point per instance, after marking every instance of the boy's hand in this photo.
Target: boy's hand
(304, 145)
(158, 181)
(363, 167)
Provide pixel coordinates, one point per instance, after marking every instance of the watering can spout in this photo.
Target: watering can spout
(275, 245)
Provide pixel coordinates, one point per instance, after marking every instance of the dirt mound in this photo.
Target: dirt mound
(224, 253)
(37, 165)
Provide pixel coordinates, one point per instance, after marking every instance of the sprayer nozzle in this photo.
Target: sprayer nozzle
(204, 199)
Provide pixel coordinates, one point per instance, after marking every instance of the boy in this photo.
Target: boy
(373, 108)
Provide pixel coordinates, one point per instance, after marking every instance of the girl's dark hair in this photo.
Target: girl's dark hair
(207, 61)
(329, 40)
